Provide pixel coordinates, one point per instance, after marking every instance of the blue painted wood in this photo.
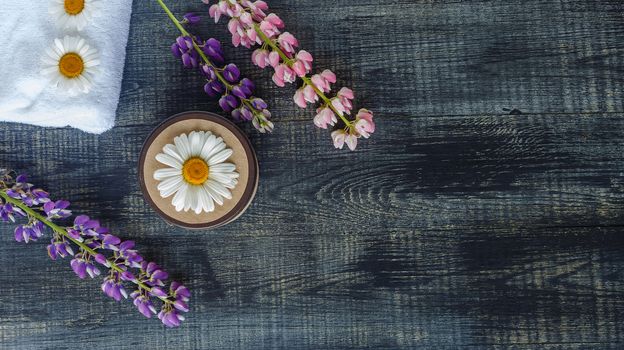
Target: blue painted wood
(486, 212)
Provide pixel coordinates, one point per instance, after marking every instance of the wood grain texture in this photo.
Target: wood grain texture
(486, 212)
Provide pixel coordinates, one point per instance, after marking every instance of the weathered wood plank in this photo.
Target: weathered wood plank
(472, 231)
(420, 58)
(467, 229)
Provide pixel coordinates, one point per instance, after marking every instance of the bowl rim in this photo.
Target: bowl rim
(249, 192)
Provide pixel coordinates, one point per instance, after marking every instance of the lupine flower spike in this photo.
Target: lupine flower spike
(94, 250)
(250, 24)
(223, 80)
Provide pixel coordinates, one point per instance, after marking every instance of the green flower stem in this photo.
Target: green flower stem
(63, 232)
(289, 62)
(201, 53)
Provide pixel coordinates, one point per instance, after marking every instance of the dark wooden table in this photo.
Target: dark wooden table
(487, 211)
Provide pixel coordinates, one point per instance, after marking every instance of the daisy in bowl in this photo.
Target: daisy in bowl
(70, 64)
(73, 14)
(196, 175)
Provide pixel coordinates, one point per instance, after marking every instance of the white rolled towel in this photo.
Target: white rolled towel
(27, 96)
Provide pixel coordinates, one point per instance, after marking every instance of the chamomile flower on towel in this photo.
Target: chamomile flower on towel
(197, 172)
(70, 64)
(73, 14)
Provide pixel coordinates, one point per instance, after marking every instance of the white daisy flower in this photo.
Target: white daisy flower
(70, 64)
(197, 172)
(73, 14)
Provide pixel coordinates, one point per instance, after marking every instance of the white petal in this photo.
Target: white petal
(196, 145)
(219, 145)
(59, 46)
(170, 186)
(232, 184)
(173, 151)
(182, 145)
(199, 203)
(220, 157)
(180, 197)
(50, 70)
(215, 196)
(190, 198)
(162, 174)
(208, 203)
(168, 160)
(220, 177)
(220, 189)
(204, 137)
(208, 146)
(223, 168)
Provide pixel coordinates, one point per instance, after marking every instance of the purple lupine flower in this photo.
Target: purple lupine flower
(112, 286)
(110, 241)
(192, 18)
(155, 275)
(208, 72)
(57, 210)
(57, 248)
(259, 103)
(93, 241)
(262, 121)
(143, 303)
(178, 290)
(214, 88)
(221, 80)
(170, 317)
(30, 232)
(181, 296)
(212, 49)
(228, 103)
(24, 192)
(157, 292)
(82, 265)
(231, 73)
(8, 212)
(183, 48)
(129, 255)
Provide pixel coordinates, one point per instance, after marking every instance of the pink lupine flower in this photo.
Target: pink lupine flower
(337, 104)
(320, 83)
(303, 63)
(364, 123)
(305, 95)
(236, 27)
(275, 20)
(260, 58)
(329, 76)
(300, 99)
(269, 29)
(246, 18)
(274, 59)
(325, 116)
(288, 43)
(346, 96)
(214, 12)
(351, 141)
(257, 8)
(283, 74)
(254, 25)
(341, 136)
(309, 94)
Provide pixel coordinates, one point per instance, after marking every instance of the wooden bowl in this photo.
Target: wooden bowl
(243, 157)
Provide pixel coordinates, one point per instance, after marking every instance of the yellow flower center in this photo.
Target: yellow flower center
(195, 171)
(74, 7)
(71, 65)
